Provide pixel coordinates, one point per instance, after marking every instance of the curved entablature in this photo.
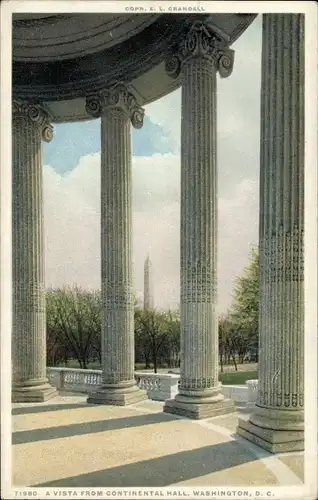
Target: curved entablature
(125, 61)
(70, 36)
(59, 60)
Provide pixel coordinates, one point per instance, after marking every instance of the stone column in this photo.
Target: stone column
(30, 126)
(117, 108)
(199, 58)
(277, 423)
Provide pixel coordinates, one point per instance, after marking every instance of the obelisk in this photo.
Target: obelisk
(148, 285)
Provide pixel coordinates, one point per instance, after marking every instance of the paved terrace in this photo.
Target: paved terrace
(67, 443)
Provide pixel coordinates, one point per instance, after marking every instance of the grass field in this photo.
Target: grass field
(237, 378)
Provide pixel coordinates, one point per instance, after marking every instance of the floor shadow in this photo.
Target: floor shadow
(24, 410)
(163, 471)
(64, 431)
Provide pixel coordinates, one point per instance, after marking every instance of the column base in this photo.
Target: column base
(198, 408)
(276, 431)
(33, 393)
(121, 396)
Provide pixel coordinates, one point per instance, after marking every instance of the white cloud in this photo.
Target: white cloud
(238, 113)
(166, 112)
(72, 201)
(72, 224)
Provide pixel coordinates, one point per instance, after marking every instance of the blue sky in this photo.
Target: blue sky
(71, 142)
(72, 187)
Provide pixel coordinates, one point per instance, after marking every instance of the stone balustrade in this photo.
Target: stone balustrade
(252, 389)
(74, 379)
(159, 386)
(237, 393)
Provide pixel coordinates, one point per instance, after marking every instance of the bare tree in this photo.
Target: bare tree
(142, 344)
(171, 346)
(150, 328)
(74, 315)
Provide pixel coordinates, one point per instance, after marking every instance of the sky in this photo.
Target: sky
(72, 188)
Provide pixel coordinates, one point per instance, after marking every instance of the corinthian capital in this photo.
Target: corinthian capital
(118, 98)
(37, 114)
(200, 42)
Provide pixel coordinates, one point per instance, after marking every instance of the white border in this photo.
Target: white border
(5, 248)
(309, 491)
(47, 6)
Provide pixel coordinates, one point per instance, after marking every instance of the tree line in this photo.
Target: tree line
(74, 327)
(74, 331)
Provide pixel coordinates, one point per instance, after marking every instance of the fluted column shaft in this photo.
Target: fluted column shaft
(281, 240)
(116, 250)
(29, 319)
(117, 108)
(198, 245)
(281, 362)
(199, 58)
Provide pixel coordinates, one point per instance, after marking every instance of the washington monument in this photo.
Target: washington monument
(148, 285)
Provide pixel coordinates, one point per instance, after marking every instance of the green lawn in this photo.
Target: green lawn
(237, 378)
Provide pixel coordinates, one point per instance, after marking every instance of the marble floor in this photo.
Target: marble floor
(67, 443)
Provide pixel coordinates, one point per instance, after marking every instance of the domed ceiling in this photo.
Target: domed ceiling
(60, 58)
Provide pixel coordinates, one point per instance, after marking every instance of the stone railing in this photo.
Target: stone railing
(159, 386)
(242, 393)
(252, 389)
(74, 379)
